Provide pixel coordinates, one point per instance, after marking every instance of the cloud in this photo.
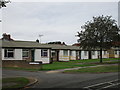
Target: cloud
(56, 21)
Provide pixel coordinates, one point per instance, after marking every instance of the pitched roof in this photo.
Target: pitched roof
(22, 44)
(31, 44)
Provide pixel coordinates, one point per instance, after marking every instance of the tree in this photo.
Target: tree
(3, 3)
(99, 33)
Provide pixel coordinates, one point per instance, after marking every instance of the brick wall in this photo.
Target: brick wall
(21, 64)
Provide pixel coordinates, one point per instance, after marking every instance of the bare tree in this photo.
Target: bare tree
(3, 3)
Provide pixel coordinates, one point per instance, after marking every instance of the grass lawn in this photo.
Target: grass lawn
(77, 63)
(16, 82)
(99, 69)
(18, 68)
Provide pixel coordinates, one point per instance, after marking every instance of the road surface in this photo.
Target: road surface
(63, 80)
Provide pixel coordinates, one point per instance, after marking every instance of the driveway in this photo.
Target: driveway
(62, 80)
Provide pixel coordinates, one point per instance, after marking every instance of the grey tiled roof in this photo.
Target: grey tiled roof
(30, 44)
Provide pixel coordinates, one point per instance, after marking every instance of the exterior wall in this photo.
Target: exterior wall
(73, 55)
(17, 55)
(62, 57)
(21, 64)
(29, 57)
(38, 57)
(55, 55)
(78, 55)
(95, 56)
(116, 54)
(83, 56)
(105, 54)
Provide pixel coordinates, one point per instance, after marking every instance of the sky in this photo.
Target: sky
(56, 21)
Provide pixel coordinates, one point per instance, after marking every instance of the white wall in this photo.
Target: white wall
(117, 55)
(95, 56)
(105, 55)
(38, 57)
(83, 56)
(73, 56)
(62, 57)
(17, 55)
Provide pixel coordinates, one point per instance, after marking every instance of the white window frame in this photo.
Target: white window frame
(85, 53)
(71, 53)
(65, 52)
(25, 51)
(105, 52)
(7, 52)
(93, 52)
(43, 51)
(115, 52)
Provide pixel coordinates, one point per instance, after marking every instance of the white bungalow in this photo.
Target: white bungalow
(23, 50)
(47, 53)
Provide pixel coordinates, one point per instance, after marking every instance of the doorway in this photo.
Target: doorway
(32, 55)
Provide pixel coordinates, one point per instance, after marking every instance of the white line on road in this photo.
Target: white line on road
(110, 82)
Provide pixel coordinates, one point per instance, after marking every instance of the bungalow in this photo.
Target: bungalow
(64, 52)
(24, 50)
(34, 51)
(47, 53)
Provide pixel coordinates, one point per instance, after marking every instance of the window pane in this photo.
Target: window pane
(85, 53)
(25, 53)
(5, 53)
(66, 52)
(44, 53)
(10, 54)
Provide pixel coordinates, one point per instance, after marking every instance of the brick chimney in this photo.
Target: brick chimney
(7, 37)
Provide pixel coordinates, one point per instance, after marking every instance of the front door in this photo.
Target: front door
(32, 55)
(89, 55)
(57, 52)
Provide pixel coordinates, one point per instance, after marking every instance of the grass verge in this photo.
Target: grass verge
(78, 63)
(19, 68)
(70, 64)
(17, 82)
(99, 69)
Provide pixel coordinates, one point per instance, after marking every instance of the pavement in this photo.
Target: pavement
(61, 70)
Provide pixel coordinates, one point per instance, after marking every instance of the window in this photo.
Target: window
(9, 53)
(44, 52)
(85, 53)
(71, 53)
(25, 53)
(105, 52)
(53, 54)
(98, 52)
(65, 52)
(93, 52)
(115, 51)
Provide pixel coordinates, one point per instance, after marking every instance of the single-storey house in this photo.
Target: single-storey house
(47, 53)
(24, 50)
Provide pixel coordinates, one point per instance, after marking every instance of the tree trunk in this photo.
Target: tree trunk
(101, 55)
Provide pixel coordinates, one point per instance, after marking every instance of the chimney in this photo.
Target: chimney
(6, 37)
(37, 41)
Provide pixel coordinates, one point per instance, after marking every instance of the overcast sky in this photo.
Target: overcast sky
(56, 21)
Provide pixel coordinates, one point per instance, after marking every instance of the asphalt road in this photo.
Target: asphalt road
(62, 80)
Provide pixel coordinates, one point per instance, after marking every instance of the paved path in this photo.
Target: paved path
(61, 70)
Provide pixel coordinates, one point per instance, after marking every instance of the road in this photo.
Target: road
(62, 80)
